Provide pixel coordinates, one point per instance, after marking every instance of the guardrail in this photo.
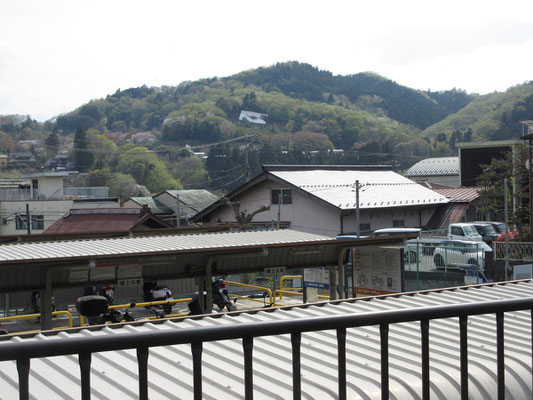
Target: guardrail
(28, 316)
(23, 351)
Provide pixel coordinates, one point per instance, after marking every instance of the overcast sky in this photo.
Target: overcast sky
(58, 55)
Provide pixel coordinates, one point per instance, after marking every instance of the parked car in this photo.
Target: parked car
(463, 231)
(487, 231)
(499, 227)
(459, 252)
(394, 231)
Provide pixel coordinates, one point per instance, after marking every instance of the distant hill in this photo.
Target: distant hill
(297, 97)
(494, 116)
(372, 118)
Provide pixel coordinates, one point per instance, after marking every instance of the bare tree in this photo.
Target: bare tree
(242, 217)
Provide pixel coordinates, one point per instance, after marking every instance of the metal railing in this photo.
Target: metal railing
(517, 251)
(23, 351)
(59, 194)
(263, 289)
(86, 192)
(282, 281)
(28, 316)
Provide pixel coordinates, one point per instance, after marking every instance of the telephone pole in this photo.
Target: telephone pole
(357, 214)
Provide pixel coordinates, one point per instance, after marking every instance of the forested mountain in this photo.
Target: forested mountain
(494, 116)
(147, 135)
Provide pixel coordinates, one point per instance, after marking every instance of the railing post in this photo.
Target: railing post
(23, 368)
(248, 345)
(296, 340)
(196, 348)
(85, 374)
(463, 343)
(384, 339)
(341, 351)
(142, 360)
(424, 333)
(500, 355)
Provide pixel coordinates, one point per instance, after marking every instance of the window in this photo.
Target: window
(285, 195)
(457, 231)
(364, 227)
(20, 222)
(37, 222)
(398, 223)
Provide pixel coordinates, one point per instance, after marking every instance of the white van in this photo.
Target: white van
(464, 231)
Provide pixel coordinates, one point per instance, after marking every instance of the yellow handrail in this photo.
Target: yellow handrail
(283, 279)
(149, 303)
(293, 293)
(28, 316)
(252, 287)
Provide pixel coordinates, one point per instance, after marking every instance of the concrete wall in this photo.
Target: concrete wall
(49, 186)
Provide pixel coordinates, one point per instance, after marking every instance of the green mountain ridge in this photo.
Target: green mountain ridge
(364, 112)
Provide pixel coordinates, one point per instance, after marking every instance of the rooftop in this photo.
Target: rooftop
(114, 374)
(378, 189)
(435, 166)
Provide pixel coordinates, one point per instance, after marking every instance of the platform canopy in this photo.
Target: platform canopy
(74, 263)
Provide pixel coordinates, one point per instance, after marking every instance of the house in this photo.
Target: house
(155, 206)
(439, 170)
(42, 199)
(187, 203)
(22, 160)
(106, 220)
(323, 199)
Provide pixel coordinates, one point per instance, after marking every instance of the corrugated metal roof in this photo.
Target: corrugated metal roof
(155, 205)
(114, 374)
(141, 245)
(435, 166)
(461, 194)
(106, 220)
(379, 189)
(196, 199)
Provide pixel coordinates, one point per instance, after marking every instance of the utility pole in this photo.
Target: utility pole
(506, 218)
(529, 137)
(28, 226)
(357, 214)
(246, 160)
(279, 209)
(178, 212)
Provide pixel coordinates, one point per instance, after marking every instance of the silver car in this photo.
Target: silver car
(454, 252)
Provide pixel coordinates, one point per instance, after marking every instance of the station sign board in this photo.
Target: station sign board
(376, 271)
(316, 278)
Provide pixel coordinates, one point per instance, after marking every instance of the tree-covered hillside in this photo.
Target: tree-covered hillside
(155, 137)
(495, 116)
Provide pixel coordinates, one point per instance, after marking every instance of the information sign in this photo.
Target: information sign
(377, 270)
